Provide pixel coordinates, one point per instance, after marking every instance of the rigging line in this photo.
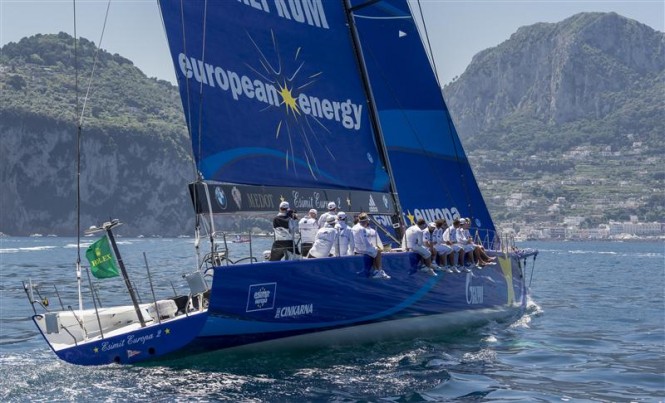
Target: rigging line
(94, 63)
(429, 45)
(78, 149)
(197, 166)
(203, 59)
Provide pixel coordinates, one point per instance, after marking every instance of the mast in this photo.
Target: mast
(78, 169)
(374, 113)
(108, 226)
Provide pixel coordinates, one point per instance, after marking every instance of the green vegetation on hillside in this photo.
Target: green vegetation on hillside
(38, 76)
(136, 154)
(568, 119)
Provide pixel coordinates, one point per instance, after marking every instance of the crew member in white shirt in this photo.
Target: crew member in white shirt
(414, 242)
(450, 239)
(332, 210)
(374, 238)
(362, 246)
(465, 243)
(326, 238)
(482, 258)
(345, 245)
(308, 226)
(444, 252)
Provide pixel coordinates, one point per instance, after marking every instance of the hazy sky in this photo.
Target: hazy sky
(457, 29)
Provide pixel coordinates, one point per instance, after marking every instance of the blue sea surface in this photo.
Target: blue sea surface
(594, 330)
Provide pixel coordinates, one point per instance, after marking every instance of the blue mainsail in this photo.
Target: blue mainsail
(273, 94)
(431, 171)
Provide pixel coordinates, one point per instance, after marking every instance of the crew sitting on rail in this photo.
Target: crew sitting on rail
(450, 239)
(481, 258)
(414, 241)
(444, 252)
(362, 246)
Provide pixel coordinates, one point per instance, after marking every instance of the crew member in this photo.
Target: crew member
(308, 226)
(283, 227)
(332, 210)
(326, 238)
(362, 246)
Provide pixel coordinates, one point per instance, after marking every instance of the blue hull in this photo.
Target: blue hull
(153, 341)
(268, 301)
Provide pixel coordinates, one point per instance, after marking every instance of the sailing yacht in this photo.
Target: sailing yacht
(311, 102)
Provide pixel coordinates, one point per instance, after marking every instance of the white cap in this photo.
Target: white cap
(432, 225)
(284, 205)
(462, 220)
(341, 215)
(332, 206)
(313, 211)
(331, 219)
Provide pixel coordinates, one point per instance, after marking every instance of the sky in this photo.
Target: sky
(458, 29)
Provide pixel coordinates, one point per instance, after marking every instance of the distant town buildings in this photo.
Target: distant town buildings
(571, 229)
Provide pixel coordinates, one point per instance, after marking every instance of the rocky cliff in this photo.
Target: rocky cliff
(567, 120)
(135, 161)
(589, 67)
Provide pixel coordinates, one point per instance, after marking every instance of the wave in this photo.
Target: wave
(597, 252)
(27, 249)
(73, 245)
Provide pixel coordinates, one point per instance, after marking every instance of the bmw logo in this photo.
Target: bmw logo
(221, 197)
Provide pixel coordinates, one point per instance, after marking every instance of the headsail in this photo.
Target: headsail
(274, 96)
(434, 178)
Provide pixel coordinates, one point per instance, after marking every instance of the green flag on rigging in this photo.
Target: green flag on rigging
(102, 263)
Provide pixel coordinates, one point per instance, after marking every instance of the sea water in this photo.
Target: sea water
(594, 330)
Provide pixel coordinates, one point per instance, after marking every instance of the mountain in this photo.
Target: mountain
(561, 120)
(567, 119)
(134, 145)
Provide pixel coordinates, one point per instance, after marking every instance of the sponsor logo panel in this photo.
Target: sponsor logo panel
(261, 297)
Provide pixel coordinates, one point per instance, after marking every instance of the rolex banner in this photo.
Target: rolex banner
(102, 263)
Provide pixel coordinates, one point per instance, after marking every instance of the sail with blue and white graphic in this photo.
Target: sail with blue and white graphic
(273, 95)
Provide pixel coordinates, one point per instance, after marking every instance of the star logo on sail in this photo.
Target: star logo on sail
(288, 100)
(411, 217)
(302, 128)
